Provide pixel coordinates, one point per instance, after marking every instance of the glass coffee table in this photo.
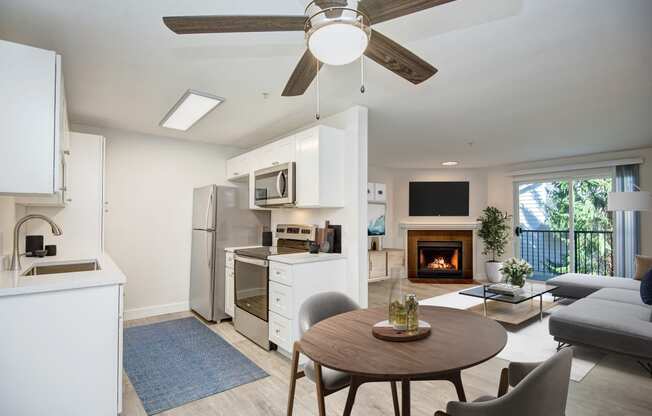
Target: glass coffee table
(527, 293)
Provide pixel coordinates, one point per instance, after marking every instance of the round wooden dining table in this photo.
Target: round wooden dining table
(459, 339)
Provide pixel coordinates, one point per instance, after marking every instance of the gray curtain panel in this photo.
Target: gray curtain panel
(628, 229)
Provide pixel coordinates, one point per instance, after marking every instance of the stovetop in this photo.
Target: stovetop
(265, 252)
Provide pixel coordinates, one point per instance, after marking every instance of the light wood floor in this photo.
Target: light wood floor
(616, 386)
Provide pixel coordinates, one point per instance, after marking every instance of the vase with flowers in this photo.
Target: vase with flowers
(516, 271)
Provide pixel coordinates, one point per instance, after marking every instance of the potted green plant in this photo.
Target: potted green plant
(516, 271)
(494, 232)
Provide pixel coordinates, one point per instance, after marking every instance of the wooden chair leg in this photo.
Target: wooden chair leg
(397, 411)
(320, 390)
(294, 375)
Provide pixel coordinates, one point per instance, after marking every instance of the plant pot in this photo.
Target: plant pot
(493, 271)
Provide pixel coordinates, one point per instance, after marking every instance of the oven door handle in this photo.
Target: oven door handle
(251, 260)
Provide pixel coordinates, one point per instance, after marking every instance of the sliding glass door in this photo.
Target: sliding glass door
(563, 225)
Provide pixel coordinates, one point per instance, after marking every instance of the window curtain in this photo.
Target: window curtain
(628, 229)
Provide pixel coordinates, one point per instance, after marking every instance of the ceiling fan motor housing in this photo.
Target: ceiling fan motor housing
(332, 27)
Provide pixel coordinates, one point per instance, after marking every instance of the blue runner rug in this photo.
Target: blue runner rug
(175, 362)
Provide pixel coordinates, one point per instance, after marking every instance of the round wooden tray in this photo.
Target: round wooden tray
(383, 330)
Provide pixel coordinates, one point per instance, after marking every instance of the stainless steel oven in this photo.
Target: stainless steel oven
(251, 299)
(275, 186)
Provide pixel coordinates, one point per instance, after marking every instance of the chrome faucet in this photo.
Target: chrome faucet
(15, 258)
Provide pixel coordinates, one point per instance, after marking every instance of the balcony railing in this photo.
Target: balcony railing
(548, 252)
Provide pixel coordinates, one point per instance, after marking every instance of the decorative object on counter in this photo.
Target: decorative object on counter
(33, 243)
(397, 307)
(516, 271)
(39, 253)
(494, 232)
(314, 247)
(385, 331)
(267, 239)
(374, 245)
(51, 250)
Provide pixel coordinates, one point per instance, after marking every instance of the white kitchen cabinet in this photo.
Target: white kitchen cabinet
(62, 357)
(320, 168)
(82, 219)
(290, 285)
(238, 167)
(276, 153)
(32, 116)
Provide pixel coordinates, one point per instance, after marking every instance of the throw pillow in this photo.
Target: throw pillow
(643, 264)
(646, 288)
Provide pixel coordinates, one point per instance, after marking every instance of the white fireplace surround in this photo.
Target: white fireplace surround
(406, 225)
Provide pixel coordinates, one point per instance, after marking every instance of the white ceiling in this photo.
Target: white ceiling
(520, 79)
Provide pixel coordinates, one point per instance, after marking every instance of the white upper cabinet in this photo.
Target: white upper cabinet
(276, 153)
(319, 167)
(32, 116)
(237, 167)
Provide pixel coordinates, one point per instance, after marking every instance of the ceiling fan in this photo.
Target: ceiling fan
(337, 32)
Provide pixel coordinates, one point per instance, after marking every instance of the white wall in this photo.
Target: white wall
(353, 217)
(398, 182)
(149, 184)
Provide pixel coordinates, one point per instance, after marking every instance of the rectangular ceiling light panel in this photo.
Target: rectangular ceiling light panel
(190, 108)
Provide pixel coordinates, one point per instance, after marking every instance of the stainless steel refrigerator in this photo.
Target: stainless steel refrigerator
(221, 218)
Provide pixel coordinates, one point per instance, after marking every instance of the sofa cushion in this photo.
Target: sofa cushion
(646, 288)
(577, 286)
(643, 265)
(608, 325)
(619, 295)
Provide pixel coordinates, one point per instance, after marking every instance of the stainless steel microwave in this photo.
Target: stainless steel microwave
(275, 186)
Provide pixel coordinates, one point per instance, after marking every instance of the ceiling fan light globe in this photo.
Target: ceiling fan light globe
(338, 43)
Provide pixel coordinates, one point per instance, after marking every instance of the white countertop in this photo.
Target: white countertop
(14, 283)
(232, 249)
(300, 258)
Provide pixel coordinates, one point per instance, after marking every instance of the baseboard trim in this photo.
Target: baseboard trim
(149, 311)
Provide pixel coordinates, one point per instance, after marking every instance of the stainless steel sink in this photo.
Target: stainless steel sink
(40, 269)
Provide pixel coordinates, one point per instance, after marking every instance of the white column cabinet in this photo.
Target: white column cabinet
(319, 167)
(33, 118)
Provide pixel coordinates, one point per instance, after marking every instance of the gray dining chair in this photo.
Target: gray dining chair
(313, 310)
(538, 390)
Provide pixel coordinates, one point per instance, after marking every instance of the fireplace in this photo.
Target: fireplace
(440, 259)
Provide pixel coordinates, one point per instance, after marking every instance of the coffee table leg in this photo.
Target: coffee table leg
(541, 307)
(405, 397)
(485, 307)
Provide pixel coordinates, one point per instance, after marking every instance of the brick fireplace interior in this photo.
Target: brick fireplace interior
(440, 254)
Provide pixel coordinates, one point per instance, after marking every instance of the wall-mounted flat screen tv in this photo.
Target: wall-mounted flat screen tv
(433, 199)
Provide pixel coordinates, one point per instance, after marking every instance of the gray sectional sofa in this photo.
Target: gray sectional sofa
(608, 316)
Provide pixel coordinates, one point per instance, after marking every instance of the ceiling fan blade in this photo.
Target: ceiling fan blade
(302, 76)
(381, 10)
(397, 59)
(183, 25)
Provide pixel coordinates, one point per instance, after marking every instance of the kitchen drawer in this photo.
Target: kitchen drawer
(280, 299)
(281, 273)
(280, 331)
(230, 260)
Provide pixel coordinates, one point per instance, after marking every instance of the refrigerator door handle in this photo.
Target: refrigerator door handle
(209, 250)
(208, 210)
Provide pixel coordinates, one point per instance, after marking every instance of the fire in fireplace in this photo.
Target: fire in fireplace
(439, 259)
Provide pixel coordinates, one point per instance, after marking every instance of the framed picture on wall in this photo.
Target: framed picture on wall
(375, 219)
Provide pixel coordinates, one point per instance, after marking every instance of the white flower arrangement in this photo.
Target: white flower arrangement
(516, 271)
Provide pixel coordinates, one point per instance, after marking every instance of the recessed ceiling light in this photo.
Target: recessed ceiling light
(451, 163)
(190, 108)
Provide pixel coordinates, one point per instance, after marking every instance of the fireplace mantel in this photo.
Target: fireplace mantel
(439, 225)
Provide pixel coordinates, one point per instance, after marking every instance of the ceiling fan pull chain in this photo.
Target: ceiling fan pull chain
(362, 88)
(317, 116)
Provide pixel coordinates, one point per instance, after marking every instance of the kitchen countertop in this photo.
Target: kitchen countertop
(13, 283)
(301, 258)
(233, 249)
